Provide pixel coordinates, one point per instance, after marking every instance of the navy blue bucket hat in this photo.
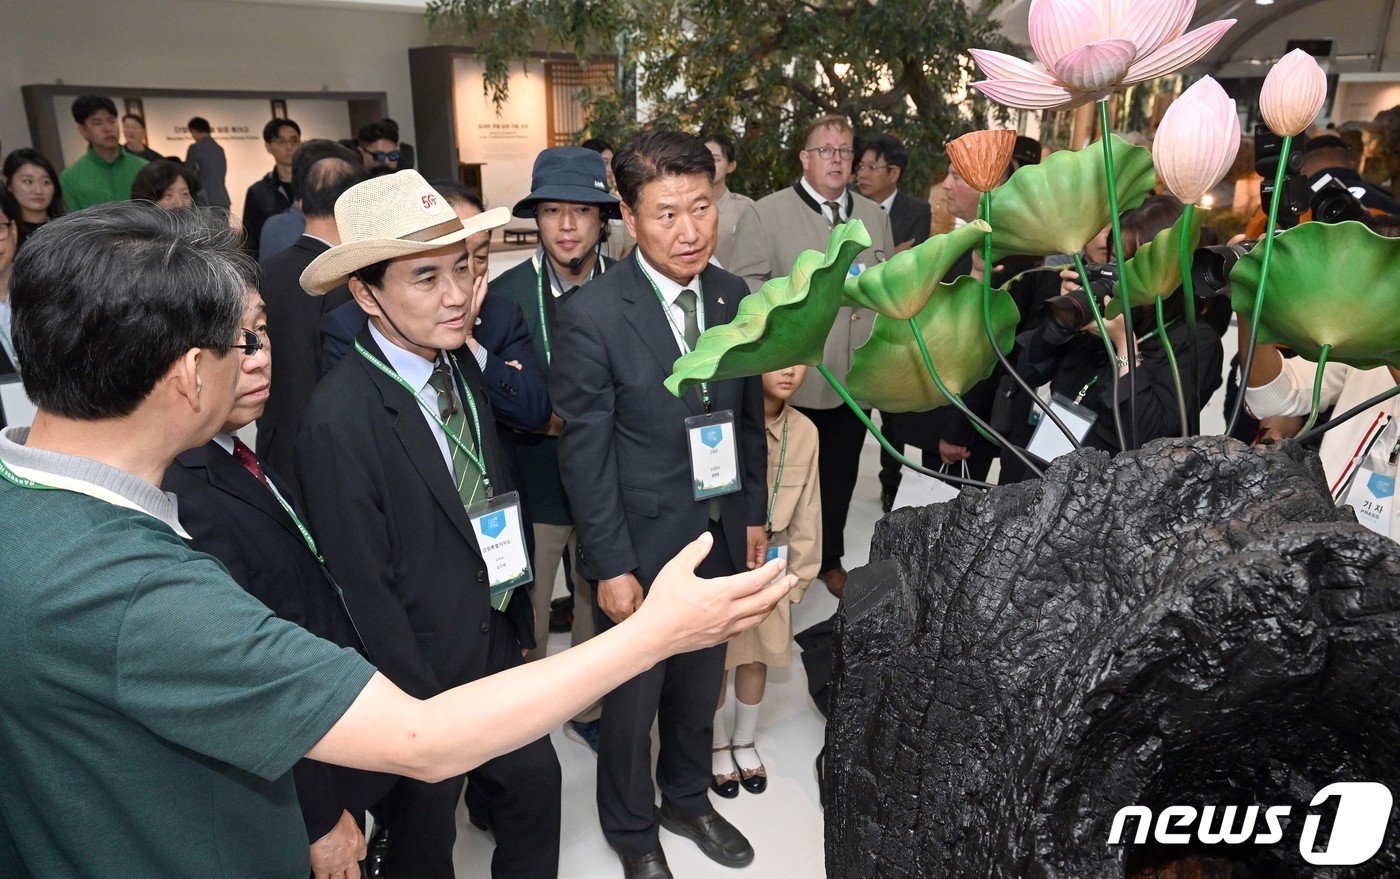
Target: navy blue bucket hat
(571, 174)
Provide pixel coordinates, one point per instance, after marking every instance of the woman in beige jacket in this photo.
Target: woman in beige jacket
(794, 533)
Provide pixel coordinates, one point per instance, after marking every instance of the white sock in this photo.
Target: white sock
(745, 724)
(723, 761)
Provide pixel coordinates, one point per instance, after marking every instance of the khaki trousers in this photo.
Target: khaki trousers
(550, 543)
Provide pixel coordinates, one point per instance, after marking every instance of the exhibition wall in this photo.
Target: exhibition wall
(205, 44)
(505, 142)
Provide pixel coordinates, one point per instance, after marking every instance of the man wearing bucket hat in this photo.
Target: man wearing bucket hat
(570, 204)
(408, 490)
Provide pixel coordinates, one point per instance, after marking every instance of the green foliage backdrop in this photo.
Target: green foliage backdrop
(756, 68)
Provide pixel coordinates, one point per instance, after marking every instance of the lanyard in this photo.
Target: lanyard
(540, 271)
(778, 479)
(476, 459)
(699, 316)
(1084, 391)
(14, 478)
(296, 520)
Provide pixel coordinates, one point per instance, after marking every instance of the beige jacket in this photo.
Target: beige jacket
(731, 207)
(797, 510)
(772, 232)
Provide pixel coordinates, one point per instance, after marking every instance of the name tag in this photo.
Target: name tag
(1049, 442)
(714, 454)
(501, 536)
(776, 551)
(1372, 496)
(856, 268)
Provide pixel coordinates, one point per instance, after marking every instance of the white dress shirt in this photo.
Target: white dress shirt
(844, 200)
(889, 202)
(416, 371)
(669, 291)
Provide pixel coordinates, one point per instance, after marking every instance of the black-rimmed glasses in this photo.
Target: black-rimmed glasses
(828, 152)
(252, 343)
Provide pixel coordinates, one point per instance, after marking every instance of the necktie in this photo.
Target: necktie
(836, 216)
(687, 301)
(244, 455)
(470, 486)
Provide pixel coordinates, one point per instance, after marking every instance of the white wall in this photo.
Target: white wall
(203, 44)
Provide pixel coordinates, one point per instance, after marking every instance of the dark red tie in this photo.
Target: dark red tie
(245, 456)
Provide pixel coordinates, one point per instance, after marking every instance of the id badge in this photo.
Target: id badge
(501, 536)
(855, 269)
(1372, 496)
(1049, 442)
(714, 454)
(776, 551)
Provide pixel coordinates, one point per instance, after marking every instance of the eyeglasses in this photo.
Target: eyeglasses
(381, 157)
(870, 166)
(827, 152)
(252, 343)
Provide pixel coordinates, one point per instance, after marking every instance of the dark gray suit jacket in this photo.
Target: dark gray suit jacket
(910, 218)
(623, 455)
(206, 159)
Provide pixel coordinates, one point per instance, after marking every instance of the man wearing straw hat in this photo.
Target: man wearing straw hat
(409, 492)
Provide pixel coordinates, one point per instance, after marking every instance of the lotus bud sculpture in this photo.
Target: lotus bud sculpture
(1091, 47)
(1197, 141)
(1293, 94)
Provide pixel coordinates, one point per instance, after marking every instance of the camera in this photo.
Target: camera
(1070, 311)
(1332, 202)
(1211, 266)
(1268, 149)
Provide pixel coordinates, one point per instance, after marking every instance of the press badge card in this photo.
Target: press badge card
(776, 551)
(1372, 496)
(1049, 442)
(714, 454)
(501, 536)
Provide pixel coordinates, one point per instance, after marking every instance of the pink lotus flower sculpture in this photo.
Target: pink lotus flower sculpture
(1197, 141)
(1293, 94)
(1091, 47)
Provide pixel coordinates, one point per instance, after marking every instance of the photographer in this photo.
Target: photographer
(1064, 349)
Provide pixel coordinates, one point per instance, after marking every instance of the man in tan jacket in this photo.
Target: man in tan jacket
(770, 235)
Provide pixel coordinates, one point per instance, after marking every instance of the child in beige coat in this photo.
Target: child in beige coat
(794, 532)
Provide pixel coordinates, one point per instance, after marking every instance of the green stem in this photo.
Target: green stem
(1351, 413)
(1122, 285)
(884, 443)
(1317, 389)
(1247, 356)
(984, 212)
(1176, 373)
(986, 430)
(1107, 344)
(1188, 290)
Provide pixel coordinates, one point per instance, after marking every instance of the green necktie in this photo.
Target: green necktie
(836, 214)
(687, 301)
(471, 488)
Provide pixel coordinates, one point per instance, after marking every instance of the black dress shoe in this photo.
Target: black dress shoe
(718, 839)
(377, 861)
(887, 498)
(651, 865)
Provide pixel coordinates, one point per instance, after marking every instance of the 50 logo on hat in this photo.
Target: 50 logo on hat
(1357, 831)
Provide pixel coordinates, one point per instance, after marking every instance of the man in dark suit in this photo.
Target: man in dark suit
(881, 164)
(396, 457)
(243, 514)
(272, 194)
(321, 172)
(625, 462)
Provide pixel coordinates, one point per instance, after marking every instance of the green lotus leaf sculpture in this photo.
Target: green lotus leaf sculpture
(1059, 205)
(888, 371)
(782, 323)
(900, 286)
(1154, 272)
(1329, 284)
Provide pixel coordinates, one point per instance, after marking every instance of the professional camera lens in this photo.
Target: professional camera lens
(1072, 310)
(1211, 267)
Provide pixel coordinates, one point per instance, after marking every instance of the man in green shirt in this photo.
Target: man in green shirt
(153, 708)
(106, 170)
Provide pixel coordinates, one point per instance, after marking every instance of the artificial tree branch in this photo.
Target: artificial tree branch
(1122, 262)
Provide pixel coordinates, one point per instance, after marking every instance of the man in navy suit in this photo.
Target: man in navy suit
(500, 342)
(625, 462)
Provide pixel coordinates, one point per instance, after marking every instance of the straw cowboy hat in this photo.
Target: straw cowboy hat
(388, 217)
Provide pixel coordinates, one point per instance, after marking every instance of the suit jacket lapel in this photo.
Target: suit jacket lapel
(411, 427)
(227, 475)
(644, 313)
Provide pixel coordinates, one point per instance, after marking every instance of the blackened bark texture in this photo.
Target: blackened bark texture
(1193, 623)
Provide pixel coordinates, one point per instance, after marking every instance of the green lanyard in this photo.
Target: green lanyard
(296, 520)
(476, 459)
(700, 319)
(540, 272)
(1084, 391)
(778, 479)
(14, 478)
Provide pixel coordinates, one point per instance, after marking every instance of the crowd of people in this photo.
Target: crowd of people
(431, 451)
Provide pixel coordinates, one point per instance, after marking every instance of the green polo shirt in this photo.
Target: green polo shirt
(94, 180)
(152, 710)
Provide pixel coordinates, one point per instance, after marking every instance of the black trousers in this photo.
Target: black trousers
(838, 463)
(516, 793)
(680, 694)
